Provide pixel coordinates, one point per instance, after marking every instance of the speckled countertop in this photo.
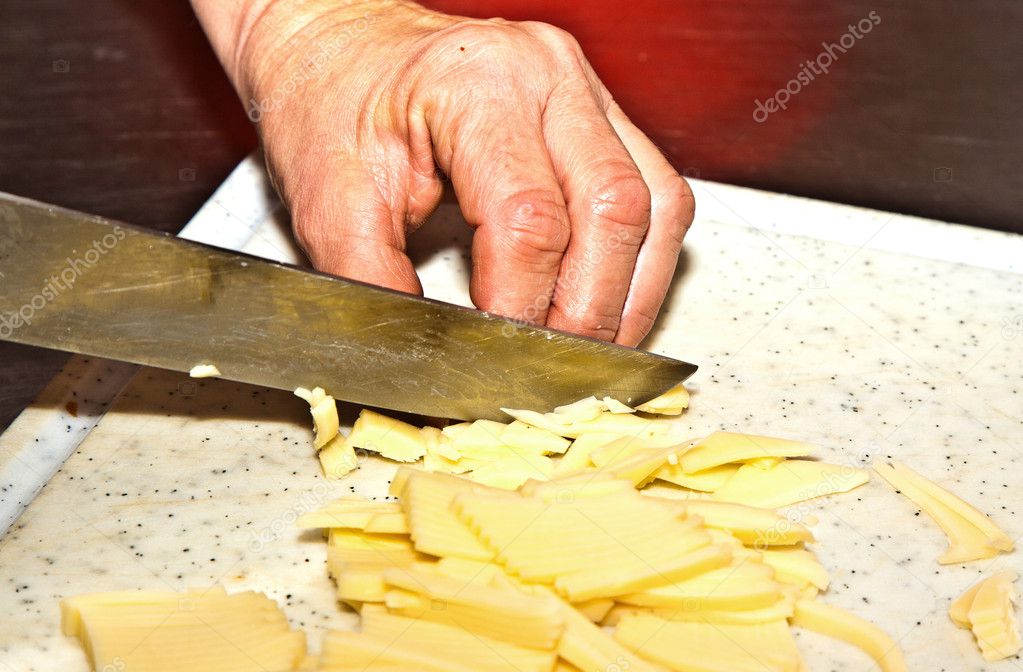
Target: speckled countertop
(879, 336)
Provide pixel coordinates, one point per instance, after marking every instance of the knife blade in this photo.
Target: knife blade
(89, 285)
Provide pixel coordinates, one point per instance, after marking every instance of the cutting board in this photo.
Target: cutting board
(870, 334)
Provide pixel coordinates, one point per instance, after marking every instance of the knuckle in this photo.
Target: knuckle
(487, 53)
(490, 42)
(551, 34)
(532, 222)
(623, 200)
(677, 191)
(676, 197)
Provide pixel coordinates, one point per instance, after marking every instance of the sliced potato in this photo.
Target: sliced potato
(971, 534)
(727, 447)
(986, 609)
(710, 647)
(708, 480)
(759, 528)
(672, 402)
(521, 435)
(204, 371)
(392, 438)
(203, 630)
(788, 482)
(606, 423)
(583, 410)
(324, 411)
(838, 624)
(501, 613)
(337, 457)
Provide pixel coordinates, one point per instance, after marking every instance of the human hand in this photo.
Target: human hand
(578, 218)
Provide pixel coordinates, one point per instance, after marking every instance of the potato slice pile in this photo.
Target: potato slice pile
(536, 545)
(204, 631)
(759, 471)
(581, 571)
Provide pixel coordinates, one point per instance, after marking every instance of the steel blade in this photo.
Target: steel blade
(88, 285)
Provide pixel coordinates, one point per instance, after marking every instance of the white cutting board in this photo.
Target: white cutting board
(867, 333)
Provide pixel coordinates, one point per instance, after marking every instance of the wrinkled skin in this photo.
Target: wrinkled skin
(578, 218)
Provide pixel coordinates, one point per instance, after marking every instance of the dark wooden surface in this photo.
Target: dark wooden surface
(118, 107)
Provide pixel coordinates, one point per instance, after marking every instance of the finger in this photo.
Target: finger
(502, 175)
(352, 224)
(609, 206)
(671, 214)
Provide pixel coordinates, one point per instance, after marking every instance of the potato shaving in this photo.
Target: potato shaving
(987, 610)
(971, 534)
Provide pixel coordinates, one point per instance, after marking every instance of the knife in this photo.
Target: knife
(89, 285)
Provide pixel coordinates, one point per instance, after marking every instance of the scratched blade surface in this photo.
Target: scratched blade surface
(84, 284)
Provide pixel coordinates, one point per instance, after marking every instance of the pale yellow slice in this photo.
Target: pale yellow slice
(439, 444)
(842, 625)
(583, 410)
(577, 457)
(779, 610)
(637, 460)
(605, 423)
(987, 609)
(393, 643)
(353, 513)
(324, 411)
(564, 488)
(357, 559)
(390, 437)
(710, 647)
(612, 405)
(479, 438)
(726, 447)
(587, 646)
(998, 537)
(426, 499)
(512, 470)
(615, 543)
(788, 482)
(521, 435)
(346, 651)
(204, 371)
(796, 566)
(756, 527)
(708, 480)
(747, 585)
(337, 457)
(596, 609)
(502, 613)
(202, 630)
(971, 534)
(672, 402)
(441, 454)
